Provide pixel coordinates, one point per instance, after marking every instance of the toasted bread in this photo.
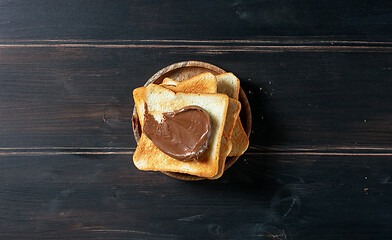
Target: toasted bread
(233, 112)
(240, 140)
(225, 149)
(160, 99)
(226, 144)
(228, 84)
(202, 83)
(138, 97)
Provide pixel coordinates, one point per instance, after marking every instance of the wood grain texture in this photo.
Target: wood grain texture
(173, 19)
(81, 97)
(266, 44)
(318, 78)
(262, 197)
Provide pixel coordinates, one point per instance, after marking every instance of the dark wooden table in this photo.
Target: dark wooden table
(318, 75)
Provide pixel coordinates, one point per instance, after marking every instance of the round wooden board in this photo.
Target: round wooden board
(180, 72)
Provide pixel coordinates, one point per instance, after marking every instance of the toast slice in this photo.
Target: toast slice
(240, 140)
(202, 83)
(225, 149)
(226, 144)
(229, 84)
(233, 112)
(159, 100)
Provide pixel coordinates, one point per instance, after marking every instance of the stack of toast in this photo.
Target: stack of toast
(216, 95)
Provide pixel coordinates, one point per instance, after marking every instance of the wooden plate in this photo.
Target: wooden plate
(180, 72)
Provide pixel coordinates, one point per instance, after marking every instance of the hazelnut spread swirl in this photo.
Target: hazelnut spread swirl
(183, 134)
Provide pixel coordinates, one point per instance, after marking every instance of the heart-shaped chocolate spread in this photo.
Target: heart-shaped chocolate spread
(183, 134)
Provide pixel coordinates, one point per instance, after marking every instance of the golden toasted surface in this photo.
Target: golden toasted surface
(233, 111)
(240, 140)
(225, 149)
(229, 84)
(202, 83)
(159, 100)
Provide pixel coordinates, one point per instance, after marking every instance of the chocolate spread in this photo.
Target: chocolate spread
(183, 134)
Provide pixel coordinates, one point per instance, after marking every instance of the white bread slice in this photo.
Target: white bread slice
(228, 84)
(160, 99)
